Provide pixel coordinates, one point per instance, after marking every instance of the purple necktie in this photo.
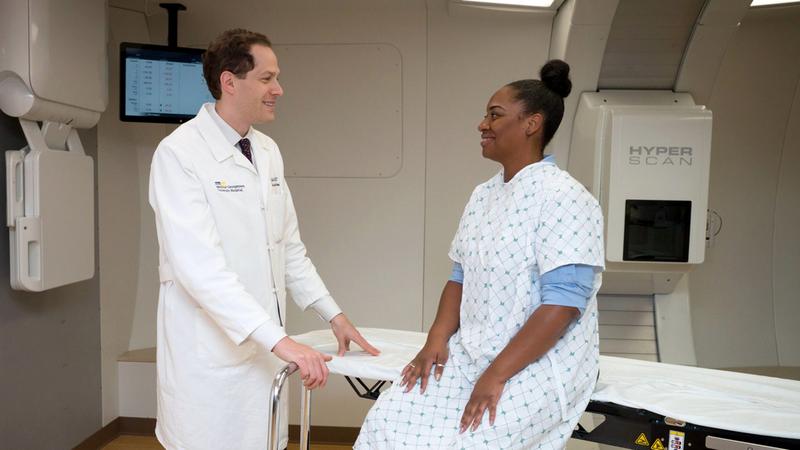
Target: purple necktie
(244, 144)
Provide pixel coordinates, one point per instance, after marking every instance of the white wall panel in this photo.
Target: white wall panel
(646, 44)
(627, 326)
(342, 118)
(128, 262)
(786, 244)
(137, 389)
(735, 299)
(643, 357)
(64, 42)
(634, 318)
(640, 332)
(625, 303)
(470, 57)
(629, 346)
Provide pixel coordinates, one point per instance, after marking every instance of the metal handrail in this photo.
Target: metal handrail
(277, 388)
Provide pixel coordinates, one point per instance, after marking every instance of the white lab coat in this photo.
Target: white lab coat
(225, 232)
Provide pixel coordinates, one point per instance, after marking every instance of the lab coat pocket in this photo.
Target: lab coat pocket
(214, 348)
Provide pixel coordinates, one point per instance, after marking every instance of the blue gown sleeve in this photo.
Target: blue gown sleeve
(568, 285)
(458, 273)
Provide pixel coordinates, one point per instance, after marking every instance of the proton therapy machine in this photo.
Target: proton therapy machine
(645, 156)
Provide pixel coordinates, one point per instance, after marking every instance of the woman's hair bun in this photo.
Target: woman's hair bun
(555, 76)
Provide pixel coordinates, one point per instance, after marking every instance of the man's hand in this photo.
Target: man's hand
(313, 370)
(345, 332)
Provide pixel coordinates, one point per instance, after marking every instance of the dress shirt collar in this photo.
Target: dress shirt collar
(231, 136)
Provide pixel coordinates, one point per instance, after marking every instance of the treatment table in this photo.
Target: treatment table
(644, 405)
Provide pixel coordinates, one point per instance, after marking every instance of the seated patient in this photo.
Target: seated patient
(515, 336)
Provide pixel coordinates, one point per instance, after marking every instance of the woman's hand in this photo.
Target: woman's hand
(433, 355)
(485, 395)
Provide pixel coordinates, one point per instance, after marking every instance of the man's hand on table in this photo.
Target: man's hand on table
(345, 333)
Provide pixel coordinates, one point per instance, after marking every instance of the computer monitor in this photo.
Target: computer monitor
(161, 84)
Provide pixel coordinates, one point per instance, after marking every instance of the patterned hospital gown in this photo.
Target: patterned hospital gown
(510, 234)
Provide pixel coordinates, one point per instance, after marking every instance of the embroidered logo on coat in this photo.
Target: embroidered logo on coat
(223, 186)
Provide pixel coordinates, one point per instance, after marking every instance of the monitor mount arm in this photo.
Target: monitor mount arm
(172, 17)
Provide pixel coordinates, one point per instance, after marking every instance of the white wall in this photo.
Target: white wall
(786, 245)
(127, 266)
(470, 56)
(744, 298)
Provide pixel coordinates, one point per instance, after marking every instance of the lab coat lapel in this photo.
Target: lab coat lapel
(242, 161)
(220, 147)
(261, 153)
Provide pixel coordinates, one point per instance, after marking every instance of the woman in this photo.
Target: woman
(515, 335)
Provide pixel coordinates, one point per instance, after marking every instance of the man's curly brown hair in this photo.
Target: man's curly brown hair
(230, 51)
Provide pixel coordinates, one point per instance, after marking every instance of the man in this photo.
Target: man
(229, 248)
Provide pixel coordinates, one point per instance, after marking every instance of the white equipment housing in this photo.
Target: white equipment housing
(51, 217)
(645, 155)
(53, 71)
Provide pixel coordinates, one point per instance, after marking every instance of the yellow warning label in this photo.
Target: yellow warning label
(676, 440)
(642, 440)
(657, 445)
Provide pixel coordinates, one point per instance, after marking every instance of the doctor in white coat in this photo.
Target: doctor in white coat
(229, 249)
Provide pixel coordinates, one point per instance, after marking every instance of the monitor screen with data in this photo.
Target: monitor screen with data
(161, 84)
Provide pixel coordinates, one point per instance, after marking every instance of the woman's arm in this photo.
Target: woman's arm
(448, 315)
(539, 334)
(435, 350)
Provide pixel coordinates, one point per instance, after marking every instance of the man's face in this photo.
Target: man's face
(256, 94)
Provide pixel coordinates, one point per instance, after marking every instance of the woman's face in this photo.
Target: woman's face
(504, 128)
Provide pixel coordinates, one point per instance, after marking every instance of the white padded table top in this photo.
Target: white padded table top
(397, 348)
(713, 398)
